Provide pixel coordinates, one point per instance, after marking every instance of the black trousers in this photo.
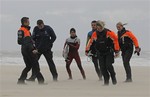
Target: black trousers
(126, 56)
(49, 58)
(97, 67)
(105, 62)
(31, 61)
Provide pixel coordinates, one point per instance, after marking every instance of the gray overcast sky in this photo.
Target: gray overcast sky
(61, 15)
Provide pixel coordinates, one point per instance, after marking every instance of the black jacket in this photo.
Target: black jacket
(125, 43)
(44, 38)
(103, 43)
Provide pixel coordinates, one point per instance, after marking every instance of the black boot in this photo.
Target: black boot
(114, 81)
(106, 82)
(55, 79)
(30, 79)
(128, 80)
(42, 83)
(100, 78)
(21, 82)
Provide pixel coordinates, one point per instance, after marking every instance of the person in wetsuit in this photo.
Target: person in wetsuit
(126, 41)
(92, 52)
(74, 43)
(106, 44)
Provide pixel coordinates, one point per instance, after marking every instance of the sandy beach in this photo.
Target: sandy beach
(91, 87)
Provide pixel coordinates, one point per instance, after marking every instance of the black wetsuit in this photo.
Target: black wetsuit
(94, 55)
(126, 45)
(30, 59)
(104, 47)
(74, 44)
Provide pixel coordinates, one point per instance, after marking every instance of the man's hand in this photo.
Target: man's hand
(117, 53)
(35, 51)
(86, 53)
(137, 50)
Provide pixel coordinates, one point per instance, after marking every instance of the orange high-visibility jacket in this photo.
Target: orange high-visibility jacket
(26, 31)
(130, 35)
(109, 34)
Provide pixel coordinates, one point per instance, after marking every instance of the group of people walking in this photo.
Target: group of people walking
(102, 45)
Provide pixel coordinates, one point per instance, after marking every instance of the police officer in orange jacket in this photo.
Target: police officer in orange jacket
(126, 41)
(28, 52)
(106, 44)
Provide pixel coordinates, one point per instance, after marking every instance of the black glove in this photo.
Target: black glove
(86, 52)
(137, 50)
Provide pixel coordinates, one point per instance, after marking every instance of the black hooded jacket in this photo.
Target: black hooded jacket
(125, 43)
(44, 38)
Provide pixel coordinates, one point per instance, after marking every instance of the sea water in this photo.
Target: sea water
(15, 58)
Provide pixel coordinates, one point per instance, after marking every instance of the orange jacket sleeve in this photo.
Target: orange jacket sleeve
(132, 37)
(114, 37)
(93, 37)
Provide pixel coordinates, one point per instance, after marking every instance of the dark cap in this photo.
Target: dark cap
(23, 20)
(94, 21)
(39, 22)
(72, 30)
